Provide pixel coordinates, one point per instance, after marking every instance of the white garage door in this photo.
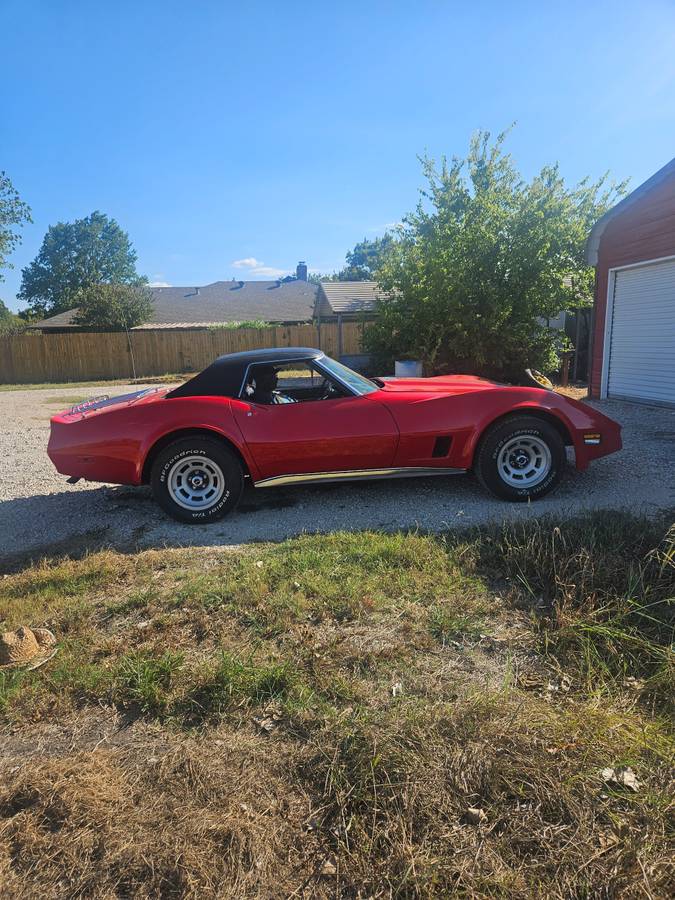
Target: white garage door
(641, 339)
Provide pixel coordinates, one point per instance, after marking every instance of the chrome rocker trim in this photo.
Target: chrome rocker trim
(354, 475)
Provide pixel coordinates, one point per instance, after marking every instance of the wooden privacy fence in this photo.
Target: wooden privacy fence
(36, 358)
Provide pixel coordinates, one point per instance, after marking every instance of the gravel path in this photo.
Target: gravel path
(41, 514)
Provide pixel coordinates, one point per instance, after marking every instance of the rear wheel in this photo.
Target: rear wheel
(521, 458)
(197, 480)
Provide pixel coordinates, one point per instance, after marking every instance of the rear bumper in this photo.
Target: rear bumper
(84, 456)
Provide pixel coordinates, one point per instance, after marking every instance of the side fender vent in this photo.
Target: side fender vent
(442, 446)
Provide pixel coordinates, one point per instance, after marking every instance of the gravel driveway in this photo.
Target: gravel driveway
(41, 514)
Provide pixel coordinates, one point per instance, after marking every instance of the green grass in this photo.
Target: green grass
(143, 678)
(445, 624)
(601, 591)
(232, 681)
(341, 577)
(138, 599)
(10, 684)
(48, 590)
(376, 686)
(146, 679)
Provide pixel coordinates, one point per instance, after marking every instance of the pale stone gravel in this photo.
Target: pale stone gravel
(41, 514)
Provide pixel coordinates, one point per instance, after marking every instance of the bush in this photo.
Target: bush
(482, 261)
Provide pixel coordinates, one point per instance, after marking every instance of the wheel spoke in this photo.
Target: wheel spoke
(524, 461)
(196, 483)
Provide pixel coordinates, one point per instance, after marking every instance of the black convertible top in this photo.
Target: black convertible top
(225, 376)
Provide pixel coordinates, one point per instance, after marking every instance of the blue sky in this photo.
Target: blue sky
(268, 132)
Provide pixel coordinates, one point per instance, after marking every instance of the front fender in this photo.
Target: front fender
(574, 418)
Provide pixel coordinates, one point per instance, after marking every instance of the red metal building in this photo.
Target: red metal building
(633, 250)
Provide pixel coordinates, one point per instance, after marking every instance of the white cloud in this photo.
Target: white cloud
(249, 262)
(158, 284)
(256, 267)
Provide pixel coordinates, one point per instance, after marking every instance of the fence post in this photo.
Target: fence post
(131, 351)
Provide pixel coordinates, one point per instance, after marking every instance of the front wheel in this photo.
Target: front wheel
(521, 459)
(197, 480)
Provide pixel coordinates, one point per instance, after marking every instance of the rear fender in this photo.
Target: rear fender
(190, 415)
(239, 449)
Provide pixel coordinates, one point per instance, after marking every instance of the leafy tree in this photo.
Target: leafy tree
(483, 258)
(14, 213)
(9, 323)
(363, 262)
(318, 277)
(75, 256)
(114, 307)
(367, 257)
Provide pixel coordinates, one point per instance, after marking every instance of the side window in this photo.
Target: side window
(297, 376)
(293, 382)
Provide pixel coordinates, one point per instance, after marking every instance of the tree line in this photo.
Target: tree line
(470, 275)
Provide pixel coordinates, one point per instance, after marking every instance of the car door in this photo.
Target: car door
(340, 433)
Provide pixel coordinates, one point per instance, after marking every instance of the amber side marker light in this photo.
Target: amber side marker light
(592, 438)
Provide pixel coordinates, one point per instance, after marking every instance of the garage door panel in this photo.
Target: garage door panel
(641, 350)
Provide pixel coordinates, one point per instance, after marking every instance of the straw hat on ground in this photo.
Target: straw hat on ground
(26, 648)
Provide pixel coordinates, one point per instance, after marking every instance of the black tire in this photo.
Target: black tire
(203, 458)
(494, 471)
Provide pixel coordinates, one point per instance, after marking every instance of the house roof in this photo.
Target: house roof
(222, 301)
(593, 242)
(347, 297)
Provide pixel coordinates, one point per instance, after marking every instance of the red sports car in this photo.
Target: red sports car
(295, 416)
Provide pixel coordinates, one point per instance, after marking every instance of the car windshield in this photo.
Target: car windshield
(356, 382)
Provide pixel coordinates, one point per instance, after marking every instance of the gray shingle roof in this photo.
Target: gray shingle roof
(222, 301)
(348, 297)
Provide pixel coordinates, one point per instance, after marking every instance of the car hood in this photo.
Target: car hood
(441, 384)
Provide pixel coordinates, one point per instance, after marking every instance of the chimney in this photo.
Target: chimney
(301, 271)
(196, 290)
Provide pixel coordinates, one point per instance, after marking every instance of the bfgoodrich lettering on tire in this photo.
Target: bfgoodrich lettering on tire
(197, 480)
(521, 458)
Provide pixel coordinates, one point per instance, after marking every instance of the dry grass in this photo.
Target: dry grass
(575, 391)
(111, 383)
(317, 718)
(189, 823)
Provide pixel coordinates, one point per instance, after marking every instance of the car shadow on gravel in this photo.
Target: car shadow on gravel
(79, 521)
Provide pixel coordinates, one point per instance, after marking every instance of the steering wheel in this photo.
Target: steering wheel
(328, 390)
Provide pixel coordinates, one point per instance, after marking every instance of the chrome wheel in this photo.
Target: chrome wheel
(524, 461)
(196, 483)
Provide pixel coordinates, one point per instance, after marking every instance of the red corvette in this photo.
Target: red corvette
(295, 416)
